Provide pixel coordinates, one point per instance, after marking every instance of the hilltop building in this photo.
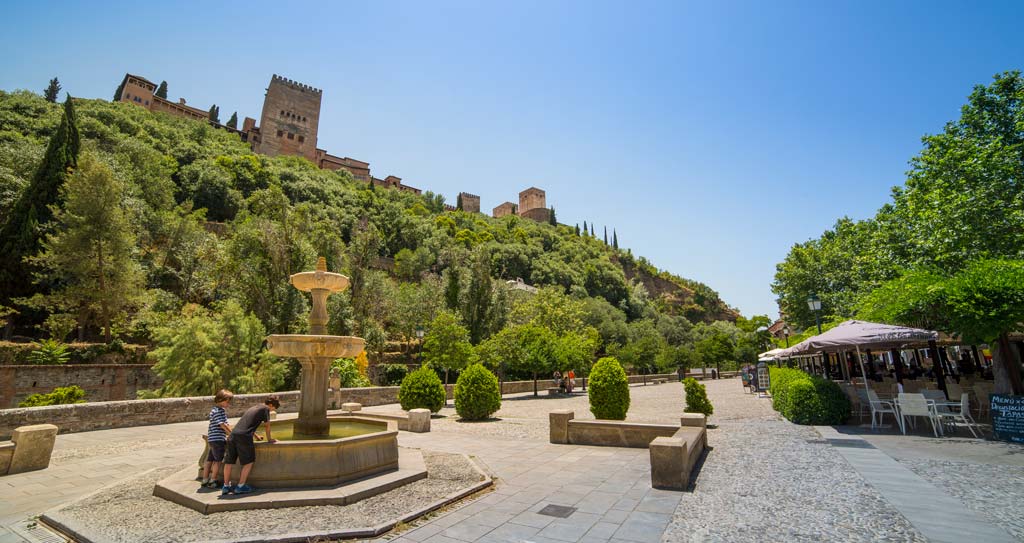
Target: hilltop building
(289, 125)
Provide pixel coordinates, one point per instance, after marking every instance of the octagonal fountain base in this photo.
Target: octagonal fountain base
(360, 459)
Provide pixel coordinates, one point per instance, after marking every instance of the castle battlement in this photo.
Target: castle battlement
(296, 84)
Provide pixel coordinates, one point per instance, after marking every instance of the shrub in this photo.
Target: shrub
(608, 390)
(348, 373)
(807, 399)
(476, 393)
(391, 374)
(422, 389)
(49, 352)
(697, 397)
(59, 396)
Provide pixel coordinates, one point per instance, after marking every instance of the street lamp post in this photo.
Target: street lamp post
(419, 339)
(814, 304)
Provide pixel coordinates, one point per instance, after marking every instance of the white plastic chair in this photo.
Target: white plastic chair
(917, 405)
(880, 408)
(961, 413)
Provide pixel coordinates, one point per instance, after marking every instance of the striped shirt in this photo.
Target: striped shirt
(217, 417)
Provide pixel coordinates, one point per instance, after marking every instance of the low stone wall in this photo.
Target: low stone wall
(101, 382)
(605, 433)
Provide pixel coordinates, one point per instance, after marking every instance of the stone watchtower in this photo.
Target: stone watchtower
(533, 204)
(470, 202)
(290, 119)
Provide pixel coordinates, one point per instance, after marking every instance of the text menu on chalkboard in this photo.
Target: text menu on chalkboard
(1008, 417)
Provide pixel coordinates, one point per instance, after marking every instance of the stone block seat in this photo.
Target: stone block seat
(29, 449)
(554, 391)
(674, 450)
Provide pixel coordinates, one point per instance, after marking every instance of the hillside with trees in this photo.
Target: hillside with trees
(119, 224)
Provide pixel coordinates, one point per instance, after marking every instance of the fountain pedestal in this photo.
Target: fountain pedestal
(312, 419)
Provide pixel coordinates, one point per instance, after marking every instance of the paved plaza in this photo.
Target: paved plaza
(764, 479)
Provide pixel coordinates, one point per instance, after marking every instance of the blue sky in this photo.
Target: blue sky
(712, 135)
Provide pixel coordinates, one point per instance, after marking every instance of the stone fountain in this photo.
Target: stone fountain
(315, 350)
(334, 460)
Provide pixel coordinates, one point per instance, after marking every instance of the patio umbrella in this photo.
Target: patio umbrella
(870, 335)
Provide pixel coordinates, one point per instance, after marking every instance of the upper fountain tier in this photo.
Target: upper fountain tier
(319, 279)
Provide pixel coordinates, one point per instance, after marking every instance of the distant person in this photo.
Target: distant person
(216, 437)
(241, 446)
(556, 378)
(966, 365)
(572, 380)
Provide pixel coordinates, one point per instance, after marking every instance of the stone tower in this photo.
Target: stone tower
(470, 202)
(290, 118)
(531, 198)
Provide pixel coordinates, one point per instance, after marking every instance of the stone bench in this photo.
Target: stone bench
(555, 391)
(29, 449)
(673, 458)
(659, 381)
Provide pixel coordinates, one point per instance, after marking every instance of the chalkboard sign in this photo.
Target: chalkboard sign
(1008, 417)
(762, 377)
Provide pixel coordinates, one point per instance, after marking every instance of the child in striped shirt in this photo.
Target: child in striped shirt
(216, 437)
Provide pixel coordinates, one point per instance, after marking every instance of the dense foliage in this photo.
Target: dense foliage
(697, 397)
(477, 393)
(807, 399)
(609, 390)
(49, 352)
(349, 374)
(59, 396)
(946, 252)
(422, 389)
(186, 221)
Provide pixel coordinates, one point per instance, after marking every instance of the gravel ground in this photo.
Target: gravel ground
(129, 513)
(114, 448)
(769, 480)
(994, 491)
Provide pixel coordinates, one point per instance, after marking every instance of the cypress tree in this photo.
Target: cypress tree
(592, 231)
(215, 113)
(458, 202)
(161, 91)
(451, 289)
(577, 229)
(606, 235)
(233, 121)
(551, 217)
(584, 228)
(30, 216)
(615, 239)
(119, 91)
(52, 91)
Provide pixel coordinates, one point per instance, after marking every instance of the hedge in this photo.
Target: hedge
(807, 399)
(697, 398)
(609, 390)
(476, 393)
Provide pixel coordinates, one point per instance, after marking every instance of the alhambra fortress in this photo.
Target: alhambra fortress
(289, 124)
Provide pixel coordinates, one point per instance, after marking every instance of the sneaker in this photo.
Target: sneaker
(243, 489)
(212, 484)
(227, 489)
(204, 482)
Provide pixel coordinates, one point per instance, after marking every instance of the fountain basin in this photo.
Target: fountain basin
(307, 281)
(294, 463)
(314, 346)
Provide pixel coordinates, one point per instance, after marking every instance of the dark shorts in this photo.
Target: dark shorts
(240, 448)
(216, 453)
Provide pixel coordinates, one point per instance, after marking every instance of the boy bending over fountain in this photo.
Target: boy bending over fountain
(241, 446)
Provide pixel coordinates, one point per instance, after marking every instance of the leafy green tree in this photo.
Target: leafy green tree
(49, 352)
(451, 289)
(161, 91)
(715, 346)
(21, 235)
(52, 91)
(119, 91)
(540, 351)
(551, 217)
(502, 351)
(203, 351)
(90, 255)
(233, 120)
(446, 345)
(478, 308)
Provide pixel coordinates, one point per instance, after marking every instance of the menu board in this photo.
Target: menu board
(1008, 417)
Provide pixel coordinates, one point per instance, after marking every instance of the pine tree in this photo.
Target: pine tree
(551, 217)
(215, 114)
(30, 216)
(161, 91)
(233, 121)
(606, 235)
(615, 239)
(90, 254)
(119, 91)
(458, 202)
(52, 91)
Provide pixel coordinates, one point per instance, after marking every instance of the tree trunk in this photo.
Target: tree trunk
(940, 376)
(897, 361)
(1006, 369)
(104, 309)
(535, 383)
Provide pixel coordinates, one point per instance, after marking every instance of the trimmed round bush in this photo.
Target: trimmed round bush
(808, 399)
(476, 393)
(608, 390)
(422, 389)
(697, 397)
